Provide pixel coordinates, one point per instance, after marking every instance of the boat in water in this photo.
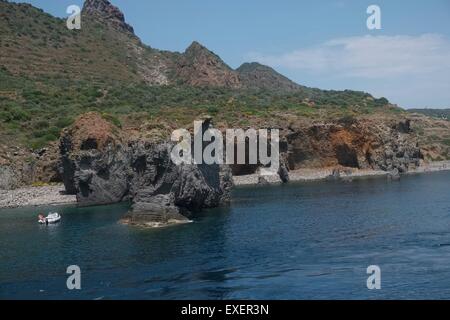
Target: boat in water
(50, 219)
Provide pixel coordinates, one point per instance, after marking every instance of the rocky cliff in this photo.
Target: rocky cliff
(200, 67)
(104, 11)
(102, 163)
(61, 75)
(95, 161)
(21, 166)
(101, 166)
(384, 144)
(163, 192)
(123, 56)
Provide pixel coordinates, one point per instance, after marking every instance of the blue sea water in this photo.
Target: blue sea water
(297, 241)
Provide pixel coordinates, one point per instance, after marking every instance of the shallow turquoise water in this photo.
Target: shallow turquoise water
(297, 241)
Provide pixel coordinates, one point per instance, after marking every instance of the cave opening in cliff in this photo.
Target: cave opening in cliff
(243, 169)
(89, 144)
(347, 156)
(369, 157)
(246, 168)
(140, 164)
(84, 188)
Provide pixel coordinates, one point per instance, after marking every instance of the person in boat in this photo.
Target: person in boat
(43, 218)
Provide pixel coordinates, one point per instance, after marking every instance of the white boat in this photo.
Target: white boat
(50, 219)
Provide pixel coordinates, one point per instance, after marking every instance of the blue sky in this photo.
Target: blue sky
(323, 44)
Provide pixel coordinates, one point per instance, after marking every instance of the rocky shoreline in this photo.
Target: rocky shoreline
(344, 174)
(432, 167)
(300, 175)
(35, 196)
(102, 163)
(55, 194)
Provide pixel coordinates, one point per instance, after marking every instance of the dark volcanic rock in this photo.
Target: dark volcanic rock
(100, 167)
(404, 126)
(8, 178)
(94, 162)
(163, 192)
(262, 181)
(283, 171)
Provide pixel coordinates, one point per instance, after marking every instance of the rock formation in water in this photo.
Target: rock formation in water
(163, 192)
(102, 166)
(312, 140)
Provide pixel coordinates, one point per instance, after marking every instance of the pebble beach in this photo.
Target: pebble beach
(35, 196)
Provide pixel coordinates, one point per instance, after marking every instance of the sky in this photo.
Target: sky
(324, 44)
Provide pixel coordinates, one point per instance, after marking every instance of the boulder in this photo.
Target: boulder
(393, 174)
(283, 170)
(262, 181)
(163, 191)
(8, 178)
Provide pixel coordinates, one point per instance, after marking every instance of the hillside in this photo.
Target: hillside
(435, 113)
(255, 75)
(49, 76)
(37, 45)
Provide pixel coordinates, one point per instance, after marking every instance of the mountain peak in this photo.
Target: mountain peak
(104, 10)
(249, 66)
(199, 66)
(196, 49)
(195, 45)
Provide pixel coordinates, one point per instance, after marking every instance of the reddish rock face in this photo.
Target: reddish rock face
(200, 67)
(92, 163)
(111, 14)
(362, 144)
(91, 132)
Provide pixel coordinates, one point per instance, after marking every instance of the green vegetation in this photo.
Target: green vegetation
(446, 142)
(435, 113)
(49, 75)
(36, 111)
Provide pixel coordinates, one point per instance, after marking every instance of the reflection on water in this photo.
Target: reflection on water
(298, 241)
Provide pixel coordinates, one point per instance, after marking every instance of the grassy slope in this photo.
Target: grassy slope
(49, 75)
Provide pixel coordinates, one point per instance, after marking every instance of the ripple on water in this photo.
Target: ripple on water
(310, 240)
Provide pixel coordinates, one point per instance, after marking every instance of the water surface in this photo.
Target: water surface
(297, 241)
